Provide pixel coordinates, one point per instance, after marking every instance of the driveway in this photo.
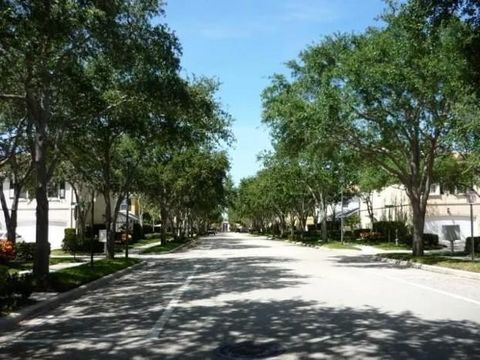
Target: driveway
(235, 293)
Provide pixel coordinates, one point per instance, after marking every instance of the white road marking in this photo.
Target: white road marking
(162, 321)
(446, 293)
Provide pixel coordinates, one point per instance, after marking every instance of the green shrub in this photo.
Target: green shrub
(137, 233)
(69, 243)
(357, 232)
(152, 236)
(429, 240)
(25, 251)
(372, 236)
(386, 227)
(72, 243)
(14, 288)
(333, 234)
(468, 244)
(147, 229)
(21, 284)
(3, 280)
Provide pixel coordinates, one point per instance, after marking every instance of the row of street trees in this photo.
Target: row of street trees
(390, 105)
(90, 92)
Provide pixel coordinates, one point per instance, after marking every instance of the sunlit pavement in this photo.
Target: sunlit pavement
(231, 288)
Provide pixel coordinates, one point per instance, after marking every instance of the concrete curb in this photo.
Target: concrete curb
(299, 243)
(432, 268)
(178, 248)
(11, 320)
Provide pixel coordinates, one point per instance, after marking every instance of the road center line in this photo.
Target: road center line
(162, 321)
(446, 293)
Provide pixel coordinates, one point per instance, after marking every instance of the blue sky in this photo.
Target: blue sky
(243, 42)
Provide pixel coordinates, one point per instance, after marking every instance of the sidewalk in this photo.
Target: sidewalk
(132, 251)
(377, 253)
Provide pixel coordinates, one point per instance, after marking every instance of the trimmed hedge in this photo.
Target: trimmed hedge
(14, 288)
(357, 232)
(70, 240)
(26, 251)
(71, 243)
(337, 235)
(372, 236)
(152, 236)
(468, 244)
(137, 232)
(429, 240)
(385, 227)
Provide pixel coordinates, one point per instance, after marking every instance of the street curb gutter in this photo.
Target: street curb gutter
(186, 245)
(11, 320)
(437, 269)
(180, 247)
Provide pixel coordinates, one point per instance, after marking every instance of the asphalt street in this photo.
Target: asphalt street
(235, 294)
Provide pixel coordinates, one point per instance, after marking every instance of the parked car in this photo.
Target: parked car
(211, 231)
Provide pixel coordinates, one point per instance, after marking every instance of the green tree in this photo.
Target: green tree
(47, 48)
(388, 95)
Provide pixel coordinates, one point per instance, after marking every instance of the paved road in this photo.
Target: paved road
(313, 304)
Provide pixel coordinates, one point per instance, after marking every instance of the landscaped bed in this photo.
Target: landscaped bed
(385, 245)
(18, 265)
(438, 260)
(16, 290)
(338, 245)
(66, 279)
(332, 244)
(145, 242)
(158, 249)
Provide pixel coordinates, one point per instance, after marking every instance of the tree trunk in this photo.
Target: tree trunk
(12, 223)
(163, 229)
(42, 250)
(418, 227)
(368, 202)
(10, 215)
(109, 225)
(3, 200)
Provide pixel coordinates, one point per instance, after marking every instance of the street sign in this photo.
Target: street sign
(102, 236)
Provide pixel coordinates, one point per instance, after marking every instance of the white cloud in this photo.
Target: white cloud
(221, 31)
(310, 10)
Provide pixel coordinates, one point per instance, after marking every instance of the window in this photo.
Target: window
(435, 189)
(11, 191)
(56, 190)
(451, 232)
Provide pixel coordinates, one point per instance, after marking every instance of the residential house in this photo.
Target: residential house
(62, 212)
(448, 213)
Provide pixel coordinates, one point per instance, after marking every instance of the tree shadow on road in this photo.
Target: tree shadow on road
(304, 329)
(118, 322)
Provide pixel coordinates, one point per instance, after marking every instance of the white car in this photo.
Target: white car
(4, 236)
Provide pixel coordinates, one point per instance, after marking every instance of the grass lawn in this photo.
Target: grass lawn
(443, 261)
(385, 245)
(15, 266)
(331, 244)
(338, 245)
(60, 252)
(145, 242)
(66, 279)
(170, 245)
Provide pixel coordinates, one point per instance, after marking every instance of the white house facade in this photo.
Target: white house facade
(62, 204)
(61, 200)
(448, 214)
